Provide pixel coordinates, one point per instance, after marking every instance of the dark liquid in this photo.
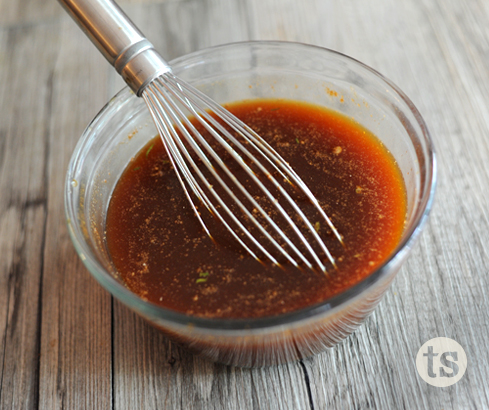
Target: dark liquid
(163, 254)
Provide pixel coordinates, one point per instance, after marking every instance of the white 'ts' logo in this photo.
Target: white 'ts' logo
(441, 362)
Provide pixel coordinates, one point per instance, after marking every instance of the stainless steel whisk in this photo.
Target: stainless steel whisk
(201, 170)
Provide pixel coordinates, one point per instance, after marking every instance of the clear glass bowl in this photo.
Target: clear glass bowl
(231, 73)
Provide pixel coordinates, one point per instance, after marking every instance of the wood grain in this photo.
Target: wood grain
(76, 313)
(64, 343)
(23, 210)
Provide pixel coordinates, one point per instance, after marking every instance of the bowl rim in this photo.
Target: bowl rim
(158, 313)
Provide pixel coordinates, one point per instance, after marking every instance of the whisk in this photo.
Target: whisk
(261, 204)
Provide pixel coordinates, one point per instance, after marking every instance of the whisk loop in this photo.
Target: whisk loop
(219, 160)
(171, 101)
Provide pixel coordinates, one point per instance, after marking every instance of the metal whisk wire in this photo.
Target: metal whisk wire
(150, 77)
(163, 97)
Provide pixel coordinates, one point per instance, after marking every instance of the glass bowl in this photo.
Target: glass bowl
(237, 72)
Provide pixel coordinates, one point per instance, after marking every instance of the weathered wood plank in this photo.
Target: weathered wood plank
(27, 11)
(23, 12)
(20, 284)
(75, 363)
(24, 119)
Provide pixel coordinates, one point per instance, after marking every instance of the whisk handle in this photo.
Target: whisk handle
(119, 40)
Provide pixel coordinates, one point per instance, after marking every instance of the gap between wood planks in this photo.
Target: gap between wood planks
(308, 383)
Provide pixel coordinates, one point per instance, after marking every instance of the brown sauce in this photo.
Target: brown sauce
(163, 254)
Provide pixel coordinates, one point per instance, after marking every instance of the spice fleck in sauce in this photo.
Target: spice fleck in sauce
(163, 254)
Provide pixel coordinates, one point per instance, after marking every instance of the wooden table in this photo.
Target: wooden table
(66, 343)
